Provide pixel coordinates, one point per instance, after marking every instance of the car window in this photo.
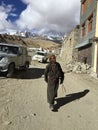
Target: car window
(13, 50)
(40, 53)
(8, 49)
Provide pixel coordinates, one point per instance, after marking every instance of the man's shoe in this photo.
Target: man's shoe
(55, 95)
(51, 107)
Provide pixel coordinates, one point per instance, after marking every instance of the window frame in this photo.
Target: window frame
(83, 29)
(90, 23)
(84, 6)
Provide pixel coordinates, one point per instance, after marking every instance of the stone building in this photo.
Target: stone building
(88, 41)
(68, 52)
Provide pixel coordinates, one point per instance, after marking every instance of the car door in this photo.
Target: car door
(20, 56)
(24, 55)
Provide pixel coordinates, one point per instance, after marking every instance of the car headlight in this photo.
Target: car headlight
(4, 60)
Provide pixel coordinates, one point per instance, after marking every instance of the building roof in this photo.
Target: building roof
(83, 44)
(10, 44)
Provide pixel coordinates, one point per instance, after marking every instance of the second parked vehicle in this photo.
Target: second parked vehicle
(40, 56)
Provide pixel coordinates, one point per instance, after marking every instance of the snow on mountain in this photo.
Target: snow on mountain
(47, 34)
(8, 31)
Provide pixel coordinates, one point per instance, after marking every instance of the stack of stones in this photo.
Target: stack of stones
(79, 68)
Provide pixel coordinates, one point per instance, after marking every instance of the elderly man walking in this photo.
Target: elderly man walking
(53, 74)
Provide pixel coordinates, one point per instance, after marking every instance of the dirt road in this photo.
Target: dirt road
(23, 103)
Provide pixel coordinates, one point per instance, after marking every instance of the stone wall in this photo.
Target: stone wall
(68, 52)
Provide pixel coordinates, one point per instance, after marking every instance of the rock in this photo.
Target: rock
(78, 72)
(83, 68)
(88, 66)
(34, 114)
(79, 68)
(7, 123)
(25, 117)
(69, 67)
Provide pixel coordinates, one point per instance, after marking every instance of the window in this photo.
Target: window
(83, 30)
(84, 6)
(90, 21)
(8, 49)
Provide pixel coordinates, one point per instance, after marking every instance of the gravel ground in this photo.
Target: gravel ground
(23, 102)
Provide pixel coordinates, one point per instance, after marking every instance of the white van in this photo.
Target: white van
(40, 56)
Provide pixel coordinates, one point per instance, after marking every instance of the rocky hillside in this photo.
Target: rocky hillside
(29, 42)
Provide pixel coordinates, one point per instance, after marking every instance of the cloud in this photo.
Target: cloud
(13, 14)
(59, 15)
(4, 13)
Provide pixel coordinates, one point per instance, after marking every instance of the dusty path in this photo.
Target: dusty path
(23, 103)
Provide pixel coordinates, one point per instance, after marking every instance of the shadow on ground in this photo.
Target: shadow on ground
(69, 98)
(32, 73)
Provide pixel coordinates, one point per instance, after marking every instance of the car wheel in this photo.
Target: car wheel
(46, 60)
(43, 60)
(26, 65)
(11, 69)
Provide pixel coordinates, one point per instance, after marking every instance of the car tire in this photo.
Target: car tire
(26, 65)
(11, 70)
(43, 60)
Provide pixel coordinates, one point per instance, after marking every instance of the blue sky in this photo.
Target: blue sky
(43, 15)
(18, 6)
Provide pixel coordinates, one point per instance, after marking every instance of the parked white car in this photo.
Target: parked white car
(40, 56)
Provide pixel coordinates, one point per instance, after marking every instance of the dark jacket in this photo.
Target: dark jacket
(54, 73)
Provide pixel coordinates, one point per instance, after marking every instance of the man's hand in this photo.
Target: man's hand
(61, 81)
(46, 79)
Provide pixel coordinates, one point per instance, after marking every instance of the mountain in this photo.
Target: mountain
(44, 34)
(29, 42)
(51, 35)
